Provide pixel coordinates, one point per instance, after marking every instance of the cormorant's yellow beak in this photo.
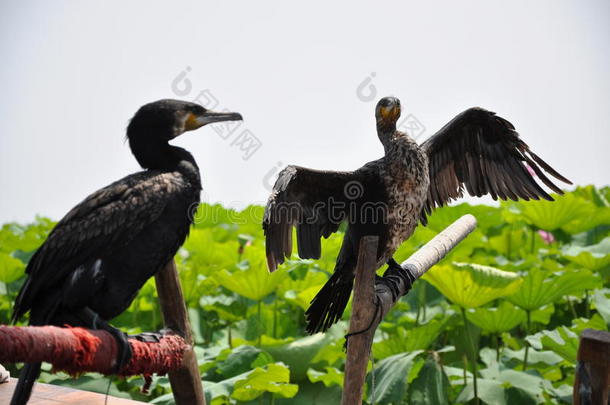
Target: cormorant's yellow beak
(194, 121)
(391, 112)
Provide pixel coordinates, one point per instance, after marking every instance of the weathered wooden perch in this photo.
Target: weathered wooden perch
(78, 350)
(592, 383)
(186, 380)
(49, 394)
(372, 302)
(5, 376)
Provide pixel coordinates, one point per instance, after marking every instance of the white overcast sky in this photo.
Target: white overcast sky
(72, 73)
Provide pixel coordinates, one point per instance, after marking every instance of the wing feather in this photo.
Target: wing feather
(482, 153)
(313, 201)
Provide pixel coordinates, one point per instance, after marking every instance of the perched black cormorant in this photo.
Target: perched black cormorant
(477, 151)
(99, 255)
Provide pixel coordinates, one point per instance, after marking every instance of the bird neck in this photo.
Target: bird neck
(385, 132)
(153, 154)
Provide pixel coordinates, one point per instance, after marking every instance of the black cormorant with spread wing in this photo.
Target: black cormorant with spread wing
(94, 261)
(478, 152)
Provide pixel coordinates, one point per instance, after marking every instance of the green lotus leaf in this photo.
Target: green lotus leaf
(392, 376)
(301, 291)
(205, 255)
(229, 308)
(24, 238)
(541, 287)
(497, 320)
(303, 298)
(532, 384)
(240, 360)
(593, 194)
(593, 257)
(213, 215)
(534, 356)
(487, 216)
(328, 254)
(431, 385)
(87, 383)
(406, 340)
(254, 282)
(595, 322)
(273, 378)
(11, 269)
(543, 315)
(569, 212)
(601, 302)
(512, 242)
(496, 392)
(301, 353)
(330, 376)
(599, 216)
(471, 285)
(562, 341)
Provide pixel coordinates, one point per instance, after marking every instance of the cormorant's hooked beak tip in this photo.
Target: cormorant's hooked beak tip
(210, 117)
(388, 109)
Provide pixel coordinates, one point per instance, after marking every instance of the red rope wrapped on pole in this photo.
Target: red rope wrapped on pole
(78, 350)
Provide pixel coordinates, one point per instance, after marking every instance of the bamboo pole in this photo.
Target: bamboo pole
(185, 381)
(366, 294)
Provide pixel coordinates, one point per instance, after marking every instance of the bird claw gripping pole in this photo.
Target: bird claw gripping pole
(392, 277)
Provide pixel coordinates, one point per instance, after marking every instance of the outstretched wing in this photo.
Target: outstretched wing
(314, 201)
(107, 219)
(482, 153)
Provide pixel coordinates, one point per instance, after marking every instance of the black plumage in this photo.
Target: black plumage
(477, 151)
(94, 261)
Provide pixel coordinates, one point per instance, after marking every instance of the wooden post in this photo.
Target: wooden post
(368, 297)
(592, 381)
(186, 381)
(363, 311)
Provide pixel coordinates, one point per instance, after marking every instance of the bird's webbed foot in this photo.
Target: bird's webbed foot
(124, 352)
(392, 277)
(151, 337)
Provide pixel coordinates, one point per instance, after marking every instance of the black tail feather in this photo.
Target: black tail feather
(27, 378)
(329, 304)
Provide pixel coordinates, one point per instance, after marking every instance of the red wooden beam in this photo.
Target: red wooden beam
(78, 350)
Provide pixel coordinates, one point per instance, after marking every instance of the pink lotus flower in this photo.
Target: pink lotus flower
(547, 237)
